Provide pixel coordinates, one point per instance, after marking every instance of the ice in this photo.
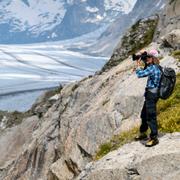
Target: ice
(26, 71)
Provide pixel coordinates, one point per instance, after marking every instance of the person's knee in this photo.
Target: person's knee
(151, 116)
(143, 115)
(150, 107)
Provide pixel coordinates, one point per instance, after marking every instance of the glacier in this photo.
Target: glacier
(28, 70)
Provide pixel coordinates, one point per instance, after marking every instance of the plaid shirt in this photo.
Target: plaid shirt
(153, 73)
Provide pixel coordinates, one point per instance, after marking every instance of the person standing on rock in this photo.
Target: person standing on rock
(148, 113)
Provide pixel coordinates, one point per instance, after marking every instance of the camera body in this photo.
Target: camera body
(142, 56)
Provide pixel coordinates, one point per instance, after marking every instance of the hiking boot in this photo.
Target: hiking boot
(152, 142)
(141, 136)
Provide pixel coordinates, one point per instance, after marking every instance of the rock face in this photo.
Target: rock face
(159, 162)
(172, 39)
(12, 141)
(168, 33)
(86, 114)
(169, 18)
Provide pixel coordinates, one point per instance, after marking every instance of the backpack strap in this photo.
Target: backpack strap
(160, 68)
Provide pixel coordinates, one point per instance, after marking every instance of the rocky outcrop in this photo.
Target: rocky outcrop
(10, 119)
(159, 162)
(138, 36)
(168, 33)
(172, 39)
(169, 19)
(13, 140)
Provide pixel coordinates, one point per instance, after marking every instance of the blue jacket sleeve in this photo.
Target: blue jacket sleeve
(144, 73)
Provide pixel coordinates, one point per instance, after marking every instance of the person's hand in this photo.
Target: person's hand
(138, 62)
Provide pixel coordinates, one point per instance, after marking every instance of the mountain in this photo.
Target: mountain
(110, 38)
(27, 21)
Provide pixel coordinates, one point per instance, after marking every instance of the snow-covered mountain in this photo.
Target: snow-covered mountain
(27, 21)
(110, 38)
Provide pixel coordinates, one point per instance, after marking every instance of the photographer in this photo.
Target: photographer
(148, 113)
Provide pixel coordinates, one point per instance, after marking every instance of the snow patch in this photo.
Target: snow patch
(92, 10)
(3, 122)
(54, 35)
(120, 5)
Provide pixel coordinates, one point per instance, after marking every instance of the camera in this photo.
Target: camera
(142, 56)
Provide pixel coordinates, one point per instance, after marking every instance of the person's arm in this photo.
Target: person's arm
(144, 73)
(137, 66)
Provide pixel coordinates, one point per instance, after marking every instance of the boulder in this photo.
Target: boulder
(12, 141)
(134, 161)
(169, 19)
(172, 39)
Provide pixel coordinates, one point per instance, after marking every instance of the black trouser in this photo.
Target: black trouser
(149, 115)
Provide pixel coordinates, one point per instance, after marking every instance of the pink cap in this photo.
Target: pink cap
(154, 53)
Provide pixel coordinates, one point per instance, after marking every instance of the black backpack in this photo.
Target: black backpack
(167, 82)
